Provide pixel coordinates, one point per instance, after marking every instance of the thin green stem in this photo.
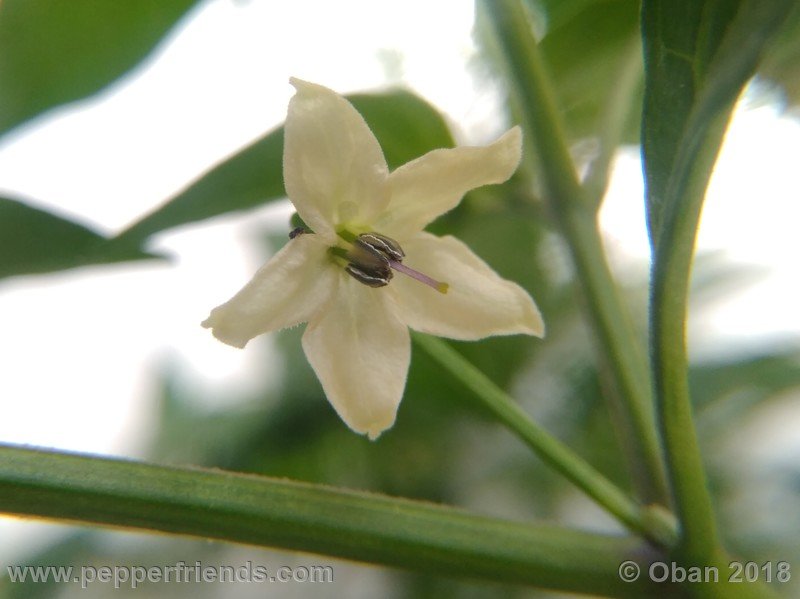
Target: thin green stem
(257, 510)
(620, 350)
(656, 526)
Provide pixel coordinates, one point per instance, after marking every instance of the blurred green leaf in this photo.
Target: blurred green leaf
(698, 56)
(592, 54)
(53, 52)
(36, 241)
(728, 389)
(405, 125)
(587, 44)
(77, 548)
(782, 62)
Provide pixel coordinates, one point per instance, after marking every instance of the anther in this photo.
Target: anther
(372, 258)
(297, 231)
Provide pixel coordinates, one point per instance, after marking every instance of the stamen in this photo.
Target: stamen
(422, 278)
(383, 245)
(346, 235)
(372, 257)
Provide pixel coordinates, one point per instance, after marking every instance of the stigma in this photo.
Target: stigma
(373, 257)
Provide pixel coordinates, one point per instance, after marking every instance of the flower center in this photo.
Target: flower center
(372, 257)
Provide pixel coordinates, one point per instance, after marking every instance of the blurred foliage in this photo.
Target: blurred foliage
(433, 451)
(36, 241)
(702, 55)
(54, 52)
(726, 391)
(782, 62)
(588, 45)
(406, 126)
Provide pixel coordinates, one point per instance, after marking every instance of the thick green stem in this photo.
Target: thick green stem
(698, 57)
(257, 510)
(655, 525)
(668, 314)
(619, 347)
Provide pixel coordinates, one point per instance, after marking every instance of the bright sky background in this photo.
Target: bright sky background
(79, 349)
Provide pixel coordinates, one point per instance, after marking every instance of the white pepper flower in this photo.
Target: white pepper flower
(367, 271)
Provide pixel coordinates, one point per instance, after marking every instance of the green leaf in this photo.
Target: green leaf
(698, 57)
(782, 62)
(434, 539)
(727, 391)
(592, 51)
(36, 241)
(586, 47)
(53, 52)
(405, 125)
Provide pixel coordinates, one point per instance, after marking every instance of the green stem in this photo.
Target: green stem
(655, 525)
(257, 510)
(688, 102)
(620, 348)
(668, 313)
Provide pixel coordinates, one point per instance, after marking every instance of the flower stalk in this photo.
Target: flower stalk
(655, 525)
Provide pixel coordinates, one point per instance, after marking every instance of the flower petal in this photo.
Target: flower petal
(360, 352)
(479, 303)
(287, 290)
(333, 167)
(429, 186)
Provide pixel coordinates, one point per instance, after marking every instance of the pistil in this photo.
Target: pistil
(373, 256)
(422, 278)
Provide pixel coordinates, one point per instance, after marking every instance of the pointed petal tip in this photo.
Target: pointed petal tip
(537, 328)
(372, 422)
(534, 323)
(217, 329)
(297, 83)
(435, 183)
(510, 144)
(515, 133)
(360, 352)
(379, 422)
(373, 429)
(301, 86)
(377, 428)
